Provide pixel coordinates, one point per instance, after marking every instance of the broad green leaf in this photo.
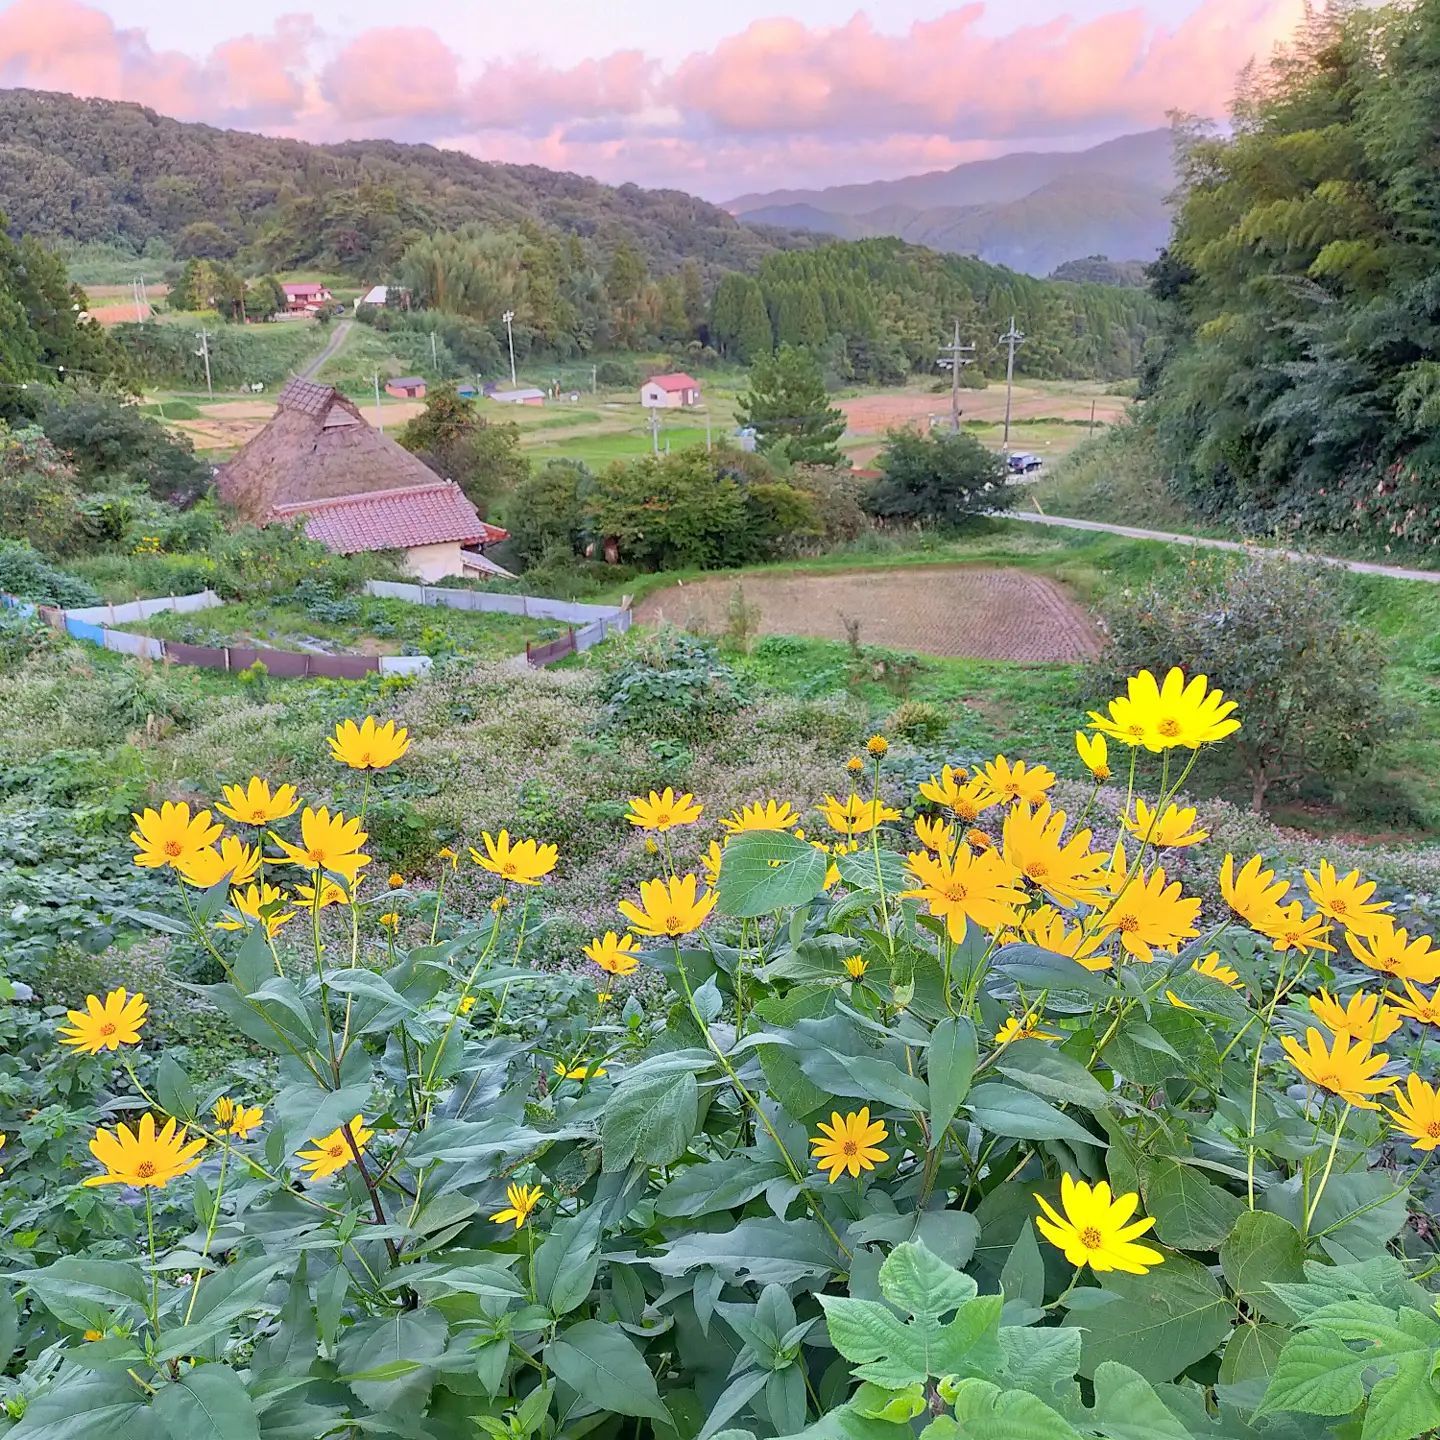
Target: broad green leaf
(863, 1077)
(923, 1285)
(90, 1407)
(1357, 1217)
(602, 1365)
(949, 1065)
(1152, 1052)
(733, 1399)
(1263, 1250)
(1318, 1374)
(383, 1360)
(566, 1263)
(769, 870)
(857, 869)
(306, 1112)
(983, 1409)
(1005, 1110)
(1023, 1277)
(1405, 1404)
(713, 1185)
(173, 1089)
(208, 1403)
(73, 1289)
(652, 1120)
(1046, 1071)
(762, 1249)
(1252, 1353)
(1128, 1408)
(1190, 1212)
(1036, 969)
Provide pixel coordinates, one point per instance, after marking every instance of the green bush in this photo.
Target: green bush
(26, 574)
(919, 722)
(671, 683)
(941, 480)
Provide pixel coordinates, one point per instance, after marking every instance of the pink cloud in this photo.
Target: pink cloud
(390, 73)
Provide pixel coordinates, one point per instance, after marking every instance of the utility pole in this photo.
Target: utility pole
(203, 336)
(594, 379)
(1091, 430)
(379, 413)
(955, 357)
(654, 431)
(509, 317)
(434, 357)
(1011, 338)
(139, 308)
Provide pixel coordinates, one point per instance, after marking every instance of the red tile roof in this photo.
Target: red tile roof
(302, 292)
(678, 381)
(393, 519)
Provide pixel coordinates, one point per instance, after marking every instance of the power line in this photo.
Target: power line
(1011, 338)
(959, 356)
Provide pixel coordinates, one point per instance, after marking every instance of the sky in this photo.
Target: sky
(716, 99)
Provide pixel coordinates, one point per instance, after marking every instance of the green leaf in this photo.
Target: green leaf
(762, 1249)
(90, 1407)
(1046, 1071)
(1405, 1404)
(1252, 1353)
(983, 1409)
(863, 1077)
(713, 1185)
(173, 1090)
(1128, 1408)
(950, 1064)
(769, 870)
(73, 1290)
(566, 1263)
(652, 1119)
(1037, 969)
(857, 869)
(383, 1360)
(1150, 1052)
(1317, 1374)
(1004, 1110)
(1263, 1250)
(1190, 1212)
(923, 1285)
(734, 1398)
(1023, 1277)
(1158, 1323)
(210, 1403)
(602, 1365)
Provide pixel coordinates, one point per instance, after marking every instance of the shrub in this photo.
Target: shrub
(919, 722)
(671, 683)
(546, 512)
(942, 479)
(27, 575)
(39, 494)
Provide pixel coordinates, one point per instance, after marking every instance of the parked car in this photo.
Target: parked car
(1023, 463)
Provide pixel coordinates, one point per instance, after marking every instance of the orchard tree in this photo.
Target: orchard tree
(788, 409)
(941, 479)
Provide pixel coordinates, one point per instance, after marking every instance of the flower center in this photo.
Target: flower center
(955, 893)
(336, 1151)
(365, 757)
(1036, 869)
(1101, 772)
(1433, 1129)
(257, 816)
(1329, 1081)
(145, 1170)
(509, 867)
(1091, 1238)
(1137, 731)
(173, 848)
(849, 1147)
(1129, 924)
(316, 857)
(673, 924)
(662, 819)
(108, 1028)
(1169, 727)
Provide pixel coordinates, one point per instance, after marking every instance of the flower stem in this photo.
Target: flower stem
(1325, 1174)
(209, 1230)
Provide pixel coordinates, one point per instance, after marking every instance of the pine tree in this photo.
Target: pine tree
(788, 409)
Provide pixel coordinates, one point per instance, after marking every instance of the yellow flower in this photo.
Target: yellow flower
(850, 1143)
(854, 764)
(330, 894)
(3, 1139)
(936, 835)
(669, 907)
(1417, 1113)
(499, 903)
(93, 1335)
(396, 880)
(772, 815)
(663, 812)
(1094, 755)
(1026, 1029)
(336, 1150)
(832, 870)
(1346, 899)
(253, 804)
(1162, 716)
(1421, 1007)
(854, 816)
(966, 799)
(446, 853)
(1170, 831)
(651, 846)
(1070, 871)
(1046, 928)
(603, 997)
(1212, 969)
(1254, 894)
(1010, 783)
(1292, 929)
(1364, 1017)
(878, 746)
(1150, 915)
(1094, 1231)
(369, 746)
(980, 839)
(614, 954)
(522, 862)
(250, 906)
(965, 886)
(711, 860)
(466, 1005)
(236, 1119)
(856, 966)
(105, 1026)
(327, 842)
(581, 1070)
(390, 920)
(1390, 950)
(170, 835)
(523, 1200)
(143, 1157)
(234, 861)
(1348, 1070)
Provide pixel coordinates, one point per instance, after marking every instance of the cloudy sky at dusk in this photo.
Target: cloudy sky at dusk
(713, 98)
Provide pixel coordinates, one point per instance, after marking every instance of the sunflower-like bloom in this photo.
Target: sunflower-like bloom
(1364, 1016)
(330, 894)
(522, 862)
(849, 1143)
(710, 860)
(964, 886)
(1417, 1113)
(953, 789)
(832, 870)
(1348, 1069)
(108, 1025)
(579, 1070)
(1018, 781)
(1292, 929)
(1390, 950)
(1069, 869)
(772, 815)
(662, 812)
(878, 746)
(1212, 969)
(335, 1151)
(1094, 755)
(1162, 716)
(1150, 915)
(327, 842)
(235, 1118)
(254, 804)
(522, 1201)
(144, 1156)
(1171, 830)
(1346, 898)
(390, 920)
(856, 966)
(259, 905)
(233, 860)
(1094, 1231)
(669, 907)
(854, 816)
(448, 856)
(1015, 1028)
(1420, 1006)
(1046, 928)
(855, 765)
(936, 835)
(1254, 894)
(170, 835)
(614, 954)
(369, 746)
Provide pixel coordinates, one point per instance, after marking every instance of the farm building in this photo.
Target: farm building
(670, 392)
(301, 299)
(526, 395)
(319, 462)
(406, 387)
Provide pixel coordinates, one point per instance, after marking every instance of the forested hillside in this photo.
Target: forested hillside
(1300, 375)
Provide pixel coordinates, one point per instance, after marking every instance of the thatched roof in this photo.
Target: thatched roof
(317, 446)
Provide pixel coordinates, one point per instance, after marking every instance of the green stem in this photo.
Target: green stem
(1329, 1165)
(209, 1230)
(154, 1272)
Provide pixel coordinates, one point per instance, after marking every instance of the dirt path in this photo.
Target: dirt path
(332, 348)
(957, 611)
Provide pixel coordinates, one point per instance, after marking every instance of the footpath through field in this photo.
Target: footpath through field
(1133, 532)
(331, 350)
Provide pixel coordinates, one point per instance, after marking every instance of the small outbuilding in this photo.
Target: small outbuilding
(406, 387)
(525, 395)
(670, 392)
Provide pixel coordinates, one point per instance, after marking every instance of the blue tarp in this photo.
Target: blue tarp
(84, 630)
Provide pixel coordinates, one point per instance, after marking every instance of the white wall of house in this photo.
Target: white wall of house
(431, 562)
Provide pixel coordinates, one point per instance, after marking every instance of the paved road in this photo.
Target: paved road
(1133, 532)
(332, 348)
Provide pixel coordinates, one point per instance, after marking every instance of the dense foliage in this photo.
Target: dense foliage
(789, 411)
(458, 443)
(941, 479)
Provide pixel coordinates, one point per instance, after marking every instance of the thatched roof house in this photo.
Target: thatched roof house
(320, 460)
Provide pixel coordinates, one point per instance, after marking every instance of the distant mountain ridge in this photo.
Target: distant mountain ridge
(1030, 211)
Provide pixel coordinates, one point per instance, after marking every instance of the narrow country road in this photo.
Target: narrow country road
(1132, 532)
(331, 350)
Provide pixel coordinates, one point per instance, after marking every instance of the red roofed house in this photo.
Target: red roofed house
(320, 462)
(670, 392)
(302, 299)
